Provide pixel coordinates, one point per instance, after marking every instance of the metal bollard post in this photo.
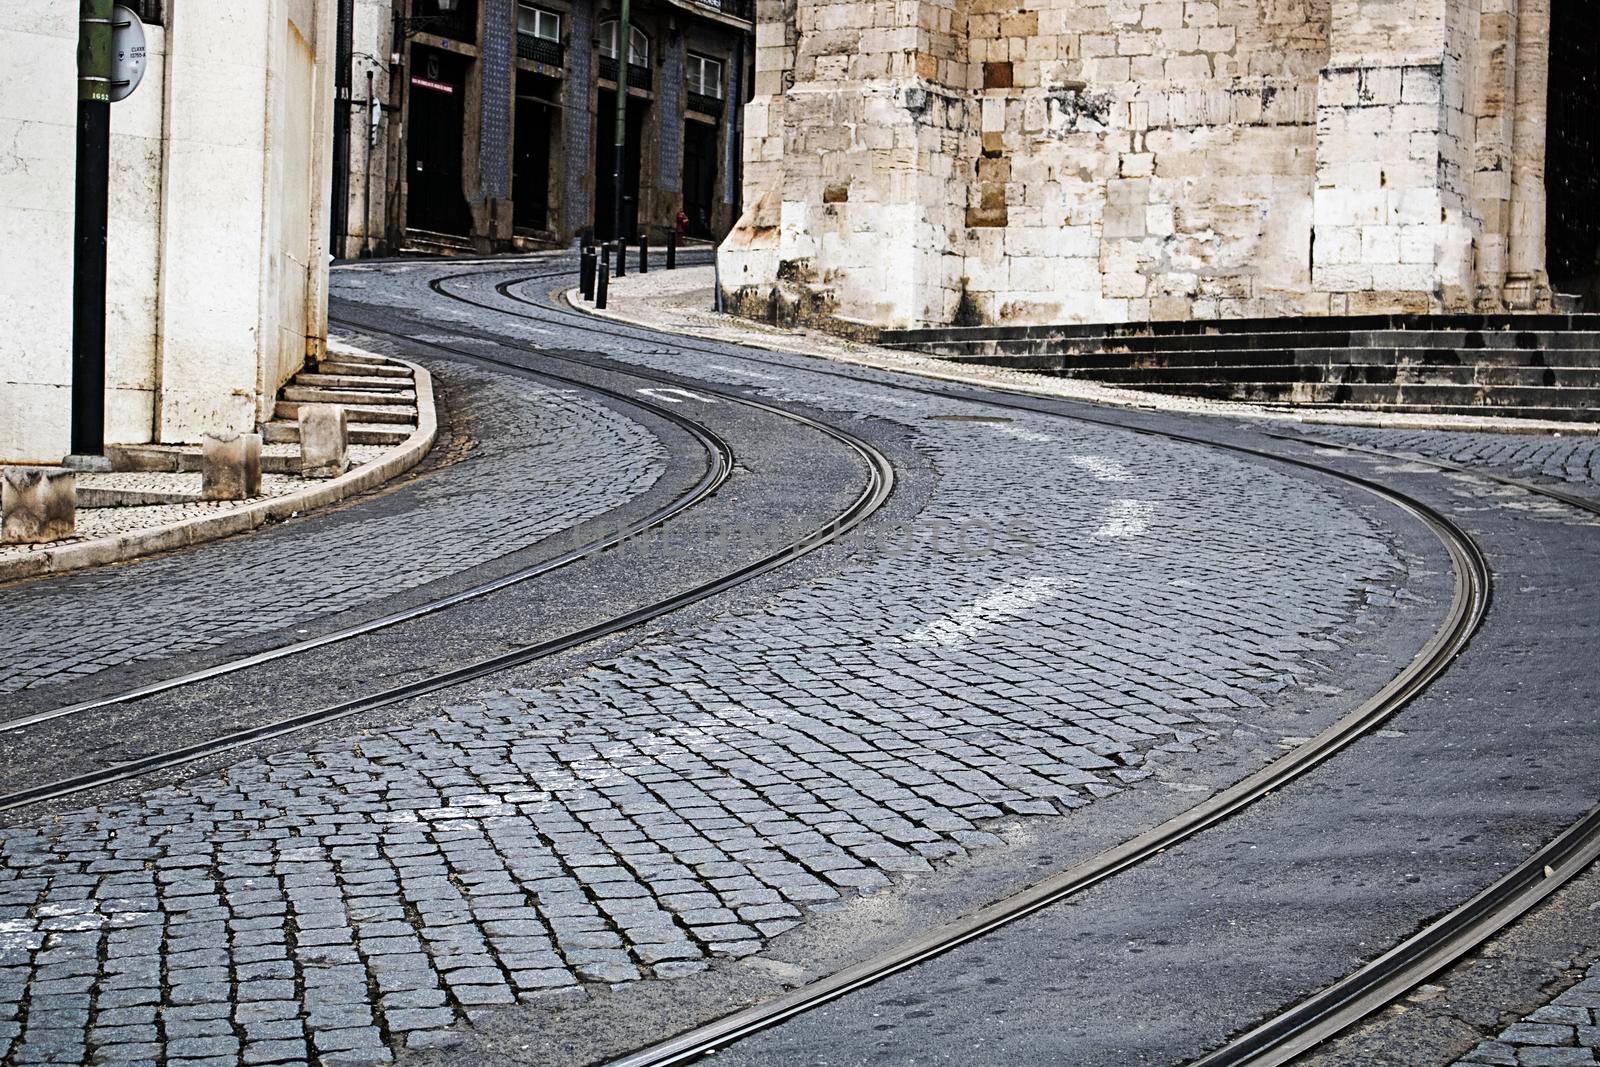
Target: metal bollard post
(672, 249)
(622, 257)
(644, 253)
(602, 283)
(586, 265)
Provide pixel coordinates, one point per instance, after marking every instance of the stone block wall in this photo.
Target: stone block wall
(965, 161)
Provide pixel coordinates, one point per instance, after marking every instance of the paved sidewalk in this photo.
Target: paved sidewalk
(125, 515)
(680, 302)
(542, 461)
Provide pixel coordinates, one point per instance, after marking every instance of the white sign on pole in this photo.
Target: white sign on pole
(127, 52)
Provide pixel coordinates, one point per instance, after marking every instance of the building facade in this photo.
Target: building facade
(218, 228)
(490, 124)
(1072, 161)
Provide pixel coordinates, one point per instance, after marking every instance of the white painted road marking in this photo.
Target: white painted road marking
(1126, 518)
(982, 614)
(674, 396)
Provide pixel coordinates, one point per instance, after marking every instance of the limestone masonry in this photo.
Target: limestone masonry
(973, 161)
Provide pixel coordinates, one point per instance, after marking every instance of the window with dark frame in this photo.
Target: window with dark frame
(704, 76)
(638, 44)
(538, 34)
(537, 22)
(149, 11)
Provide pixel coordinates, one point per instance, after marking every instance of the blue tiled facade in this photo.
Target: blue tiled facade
(669, 111)
(578, 120)
(496, 50)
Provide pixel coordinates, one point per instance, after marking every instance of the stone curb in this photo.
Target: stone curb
(123, 547)
(1140, 401)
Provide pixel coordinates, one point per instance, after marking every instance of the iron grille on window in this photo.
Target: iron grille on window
(709, 105)
(638, 77)
(149, 11)
(539, 50)
(739, 9)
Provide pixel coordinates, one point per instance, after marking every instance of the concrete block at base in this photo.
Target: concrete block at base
(230, 466)
(324, 440)
(39, 504)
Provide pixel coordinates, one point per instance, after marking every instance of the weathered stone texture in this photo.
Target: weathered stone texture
(37, 504)
(1112, 160)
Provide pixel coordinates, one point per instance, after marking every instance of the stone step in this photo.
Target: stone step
(287, 431)
(1464, 342)
(350, 365)
(1367, 373)
(429, 243)
(1573, 415)
(1482, 399)
(922, 336)
(300, 394)
(352, 381)
(1265, 357)
(370, 413)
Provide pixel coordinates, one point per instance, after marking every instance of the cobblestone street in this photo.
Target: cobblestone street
(1562, 1033)
(1070, 608)
(1019, 651)
(800, 533)
(1574, 459)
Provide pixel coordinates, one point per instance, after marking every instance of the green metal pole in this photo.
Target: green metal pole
(89, 236)
(624, 43)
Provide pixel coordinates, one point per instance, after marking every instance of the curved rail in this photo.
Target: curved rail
(1473, 585)
(1289, 1033)
(1381, 982)
(719, 466)
(880, 484)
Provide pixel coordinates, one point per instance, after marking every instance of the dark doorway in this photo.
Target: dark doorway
(1572, 145)
(434, 138)
(530, 164)
(699, 175)
(605, 154)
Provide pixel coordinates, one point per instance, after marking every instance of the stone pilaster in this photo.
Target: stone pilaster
(1527, 285)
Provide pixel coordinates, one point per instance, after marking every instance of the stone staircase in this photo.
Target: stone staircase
(1526, 366)
(378, 395)
(428, 243)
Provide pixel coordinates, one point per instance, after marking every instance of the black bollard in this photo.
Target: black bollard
(672, 249)
(644, 253)
(622, 257)
(602, 283)
(586, 264)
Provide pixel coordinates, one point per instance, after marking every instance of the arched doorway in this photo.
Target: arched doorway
(1572, 147)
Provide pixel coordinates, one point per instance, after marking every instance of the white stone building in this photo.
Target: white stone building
(220, 170)
(1074, 161)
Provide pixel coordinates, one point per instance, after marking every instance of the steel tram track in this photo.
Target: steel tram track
(1473, 589)
(1289, 1033)
(879, 486)
(719, 465)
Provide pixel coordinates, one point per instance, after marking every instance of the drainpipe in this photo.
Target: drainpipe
(344, 32)
(624, 54)
(89, 235)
